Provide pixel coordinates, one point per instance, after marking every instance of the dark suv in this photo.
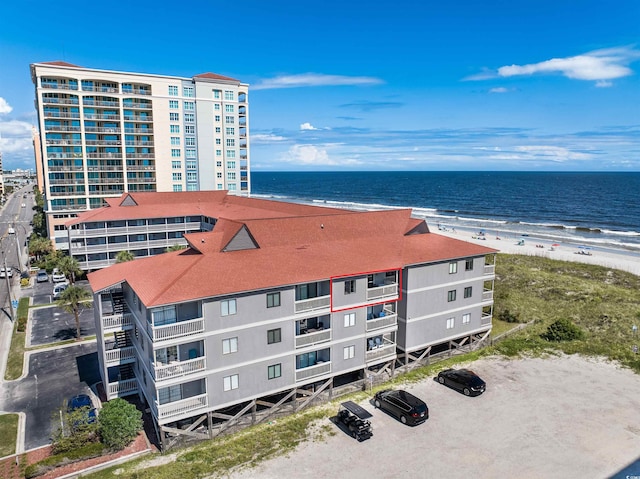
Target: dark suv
(403, 405)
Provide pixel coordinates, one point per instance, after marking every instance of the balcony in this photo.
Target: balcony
(120, 355)
(489, 269)
(64, 141)
(124, 387)
(117, 322)
(89, 102)
(61, 128)
(381, 353)
(59, 86)
(485, 319)
(140, 118)
(177, 330)
(139, 130)
(60, 101)
(318, 369)
(487, 295)
(179, 368)
(312, 304)
(66, 168)
(385, 292)
(312, 337)
(183, 406)
(99, 129)
(57, 114)
(383, 321)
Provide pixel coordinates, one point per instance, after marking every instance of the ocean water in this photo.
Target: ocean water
(594, 209)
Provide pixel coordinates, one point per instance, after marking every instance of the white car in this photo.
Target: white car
(57, 276)
(4, 273)
(58, 289)
(12, 231)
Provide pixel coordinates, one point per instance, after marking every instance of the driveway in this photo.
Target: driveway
(554, 418)
(42, 293)
(53, 377)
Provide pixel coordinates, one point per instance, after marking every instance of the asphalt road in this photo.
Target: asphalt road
(51, 325)
(54, 376)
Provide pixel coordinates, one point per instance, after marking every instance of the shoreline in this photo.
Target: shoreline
(610, 257)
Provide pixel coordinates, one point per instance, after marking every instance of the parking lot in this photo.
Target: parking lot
(559, 417)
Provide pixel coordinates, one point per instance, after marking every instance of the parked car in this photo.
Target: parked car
(354, 419)
(58, 289)
(403, 405)
(57, 276)
(23, 205)
(42, 276)
(82, 401)
(6, 273)
(11, 231)
(464, 380)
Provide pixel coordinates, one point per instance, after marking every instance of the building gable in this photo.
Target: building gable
(242, 240)
(128, 201)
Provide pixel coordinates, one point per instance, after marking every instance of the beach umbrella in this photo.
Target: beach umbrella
(555, 245)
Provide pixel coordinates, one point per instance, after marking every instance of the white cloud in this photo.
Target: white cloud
(270, 138)
(5, 107)
(312, 80)
(541, 153)
(598, 65)
(499, 89)
(311, 155)
(307, 126)
(603, 84)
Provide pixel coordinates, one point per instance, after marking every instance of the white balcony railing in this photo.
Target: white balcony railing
(313, 338)
(117, 321)
(320, 302)
(179, 368)
(382, 292)
(183, 406)
(316, 370)
(489, 269)
(485, 319)
(381, 352)
(487, 295)
(124, 387)
(383, 322)
(120, 355)
(177, 330)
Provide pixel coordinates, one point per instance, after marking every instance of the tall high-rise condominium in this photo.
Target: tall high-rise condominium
(103, 133)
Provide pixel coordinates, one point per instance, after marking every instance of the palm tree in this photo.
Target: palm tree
(70, 267)
(175, 247)
(72, 300)
(39, 247)
(124, 256)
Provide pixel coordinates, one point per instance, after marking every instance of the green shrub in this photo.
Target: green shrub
(562, 330)
(76, 429)
(119, 423)
(88, 451)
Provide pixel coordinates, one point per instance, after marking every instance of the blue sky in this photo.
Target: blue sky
(548, 85)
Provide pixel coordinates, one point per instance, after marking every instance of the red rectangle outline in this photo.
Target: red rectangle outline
(331, 278)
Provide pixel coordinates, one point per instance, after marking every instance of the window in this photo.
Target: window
(191, 164)
(231, 142)
(467, 291)
(188, 91)
(229, 119)
(451, 295)
(230, 345)
(349, 320)
(466, 318)
(189, 117)
(175, 152)
(274, 336)
(218, 129)
(219, 174)
(232, 187)
(228, 108)
(176, 176)
(231, 154)
(217, 118)
(174, 116)
(468, 264)
(231, 175)
(190, 153)
(176, 165)
(177, 188)
(228, 95)
(350, 286)
(274, 371)
(173, 90)
(216, 94)
(219, 164)
(190, 141)
(174, 128)
(190, 129)
(218, 142)
(175, 140)
(230, 131)
(189, 105)
(216, 106)
(174, 104)
(231, 382)
(192, 176)
(273, 300)
(349, 352)
(453, 268)
(219, 186)
(451, 323)
(231, 164)
(192, 187)
(227, 307)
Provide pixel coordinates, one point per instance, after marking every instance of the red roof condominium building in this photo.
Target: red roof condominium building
(268, 308)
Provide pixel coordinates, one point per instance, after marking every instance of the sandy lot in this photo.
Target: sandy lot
(558, 417)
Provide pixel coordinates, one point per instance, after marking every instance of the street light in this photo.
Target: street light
(6, 276)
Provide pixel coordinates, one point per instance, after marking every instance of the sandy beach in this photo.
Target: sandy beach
(609, 257)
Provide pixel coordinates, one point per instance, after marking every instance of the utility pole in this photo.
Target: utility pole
(18, 251)
(6, 275)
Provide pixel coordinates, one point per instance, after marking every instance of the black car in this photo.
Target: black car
(82, 401)
(463, 380)
(403, 405)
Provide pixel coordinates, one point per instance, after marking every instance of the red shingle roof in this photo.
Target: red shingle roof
(61, 64)
(215, 76)
(290, 250)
